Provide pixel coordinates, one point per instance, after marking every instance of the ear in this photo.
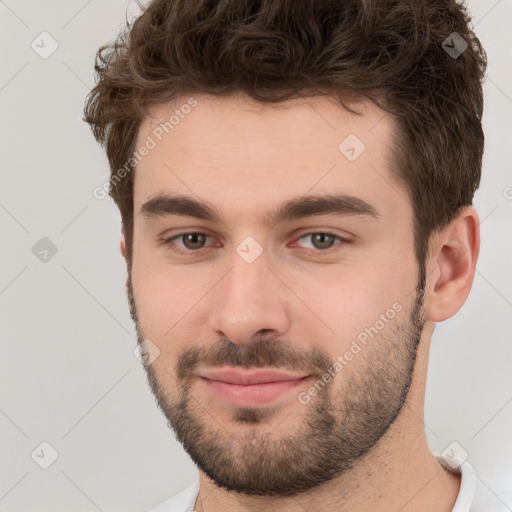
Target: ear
(122, 245)
(451, 265)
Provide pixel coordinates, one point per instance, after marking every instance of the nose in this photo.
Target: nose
(251, 300)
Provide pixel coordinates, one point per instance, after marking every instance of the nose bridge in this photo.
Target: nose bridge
(249, 299)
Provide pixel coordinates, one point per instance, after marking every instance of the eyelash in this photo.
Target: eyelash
(169, 242)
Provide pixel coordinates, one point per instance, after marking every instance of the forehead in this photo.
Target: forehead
(252, 153)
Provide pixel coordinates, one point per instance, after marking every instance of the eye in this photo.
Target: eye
(191, 241)
(321, 240)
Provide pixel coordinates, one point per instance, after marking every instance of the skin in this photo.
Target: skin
(362, 439)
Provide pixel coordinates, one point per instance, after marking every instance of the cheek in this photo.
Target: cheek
(163, 297)
(154, 287)
(351, 299)
(162, 309)
(169, 298)
(346, 306)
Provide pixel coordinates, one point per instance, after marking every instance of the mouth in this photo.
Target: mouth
(249, 389)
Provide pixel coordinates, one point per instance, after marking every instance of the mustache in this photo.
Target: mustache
(261, 353)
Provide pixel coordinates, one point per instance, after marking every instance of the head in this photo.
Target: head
(295, 184)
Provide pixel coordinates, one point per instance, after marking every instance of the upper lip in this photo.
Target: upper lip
(232, 376)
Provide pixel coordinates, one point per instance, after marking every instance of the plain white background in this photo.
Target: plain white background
(68, 373)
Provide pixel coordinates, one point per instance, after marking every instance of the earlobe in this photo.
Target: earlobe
(453, 260)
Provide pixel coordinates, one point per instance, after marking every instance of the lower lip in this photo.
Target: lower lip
(251, 394)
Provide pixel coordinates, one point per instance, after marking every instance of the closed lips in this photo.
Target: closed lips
(248, 378)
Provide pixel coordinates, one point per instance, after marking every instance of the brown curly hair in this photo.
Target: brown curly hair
(393, 52)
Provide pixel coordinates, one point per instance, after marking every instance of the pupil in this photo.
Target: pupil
(193, 238)
(321, 237)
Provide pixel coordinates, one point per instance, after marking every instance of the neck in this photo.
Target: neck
(397, 475)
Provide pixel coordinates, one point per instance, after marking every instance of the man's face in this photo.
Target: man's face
(328, 298)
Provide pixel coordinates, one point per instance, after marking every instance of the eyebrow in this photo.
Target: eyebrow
(164, 205)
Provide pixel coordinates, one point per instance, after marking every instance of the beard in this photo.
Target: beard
(339, 425)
